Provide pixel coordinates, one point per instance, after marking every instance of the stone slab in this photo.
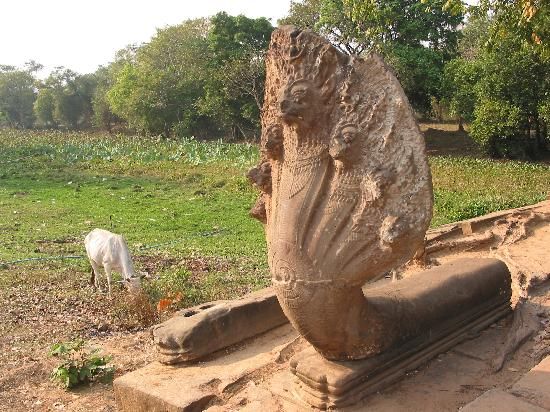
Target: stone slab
(196, 386)
(535, 385)
(326, 384)
(444, 384)
(477, 223)
(499, 401)
(496, 334)
(201, 330)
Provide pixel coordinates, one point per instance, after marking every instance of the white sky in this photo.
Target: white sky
(81, 35)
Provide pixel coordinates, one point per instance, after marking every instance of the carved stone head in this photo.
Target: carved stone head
(345, 145)
(272, 142)
(350, 194)
(299, 103)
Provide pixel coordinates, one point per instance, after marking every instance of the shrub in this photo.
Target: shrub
(497, 128)
(79, 365)
(134, 311)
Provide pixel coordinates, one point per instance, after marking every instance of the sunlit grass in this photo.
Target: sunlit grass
(184, 199)
(466, 187)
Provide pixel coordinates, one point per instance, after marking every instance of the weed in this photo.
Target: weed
(79, 365)
(134, 311)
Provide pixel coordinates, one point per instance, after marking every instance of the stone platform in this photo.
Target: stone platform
(251, 378)
(196, 386)
(446, 305)
(256, 375)
(530, 394)
(432, 313)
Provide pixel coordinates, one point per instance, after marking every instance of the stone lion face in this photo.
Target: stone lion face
(299, 102)
(344, 145)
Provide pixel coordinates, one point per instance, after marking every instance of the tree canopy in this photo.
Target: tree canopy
(416, 37)
(488, 65)
(204, 76)
(17, 96)
(501, 80)
(235, 72)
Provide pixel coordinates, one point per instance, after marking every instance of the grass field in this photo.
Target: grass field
(183, 205)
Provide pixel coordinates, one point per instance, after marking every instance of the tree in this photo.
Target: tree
(44, 108)
(514, 79)
(501, 81)
(304, 14)
(103, 116)
(234, 86)
(462, 74)
(528, 20)
(17, 96)
(73, 97)
(64, 98)
(158, 88)
(416, 37)
(333, 19)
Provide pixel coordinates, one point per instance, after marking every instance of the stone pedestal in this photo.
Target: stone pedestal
(436, 310)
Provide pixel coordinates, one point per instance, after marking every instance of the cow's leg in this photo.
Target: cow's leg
(108, 275)
(96, 270)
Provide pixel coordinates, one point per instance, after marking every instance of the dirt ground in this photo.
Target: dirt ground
(49, 312)
(444, 139)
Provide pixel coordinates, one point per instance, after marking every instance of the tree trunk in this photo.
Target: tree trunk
(460, 124)
(538, 135)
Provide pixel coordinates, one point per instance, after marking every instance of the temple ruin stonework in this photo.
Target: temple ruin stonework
(350, 193)
(346, 196)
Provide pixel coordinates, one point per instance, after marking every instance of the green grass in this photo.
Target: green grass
(466, 187)
(187, 201)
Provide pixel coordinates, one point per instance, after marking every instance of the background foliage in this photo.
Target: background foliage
(486, 65)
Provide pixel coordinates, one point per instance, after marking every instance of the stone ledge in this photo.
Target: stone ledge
(199, 385)
(198, 331)
(535, 385)
(496, 400)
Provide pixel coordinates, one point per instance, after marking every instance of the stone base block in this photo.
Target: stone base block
(499, 401)
(200, 385)
(535, 385)
(443, 315)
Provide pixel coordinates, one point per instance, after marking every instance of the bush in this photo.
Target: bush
(497, 128)
(79, 365)
(134, 311)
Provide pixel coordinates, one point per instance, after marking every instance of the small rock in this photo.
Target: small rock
(103, 327)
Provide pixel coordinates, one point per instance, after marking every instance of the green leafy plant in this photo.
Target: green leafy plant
(79, 365)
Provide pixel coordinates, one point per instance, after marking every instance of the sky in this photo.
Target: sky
(82, 35)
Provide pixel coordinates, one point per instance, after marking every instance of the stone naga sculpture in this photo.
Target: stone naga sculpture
(346, 189)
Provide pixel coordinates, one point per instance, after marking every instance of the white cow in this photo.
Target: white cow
(110, 251)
